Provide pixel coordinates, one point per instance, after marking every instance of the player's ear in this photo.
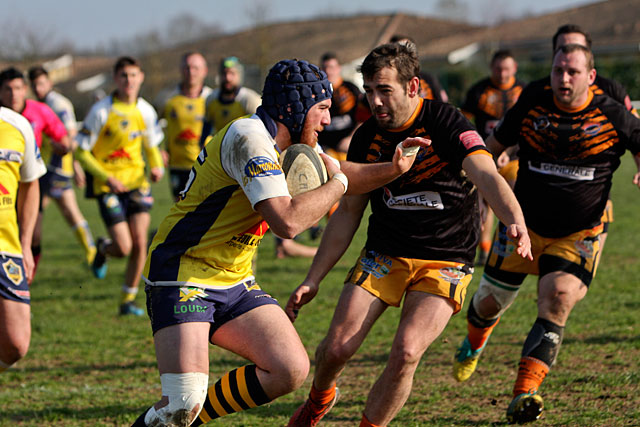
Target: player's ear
(413, 87)
(592, 76)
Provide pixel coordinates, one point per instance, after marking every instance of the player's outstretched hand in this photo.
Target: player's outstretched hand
(406, 152)
(519, 234)
(636, 179)
(156, 174)
(301, 296)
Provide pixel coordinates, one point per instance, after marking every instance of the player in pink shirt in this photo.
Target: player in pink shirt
(13, 94)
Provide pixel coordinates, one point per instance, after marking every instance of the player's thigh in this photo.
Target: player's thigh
(15, 325)
(356, 312)
(263, 335)
(121, 236)
(424, 317)
(183, 347)
(139, 227)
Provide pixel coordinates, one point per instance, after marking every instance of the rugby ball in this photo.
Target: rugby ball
(303, 169)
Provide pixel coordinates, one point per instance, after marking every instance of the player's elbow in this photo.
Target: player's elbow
(286, 229)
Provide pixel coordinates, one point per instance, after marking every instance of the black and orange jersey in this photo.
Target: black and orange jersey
(430, 87)
(600, 86)
(567, 158)
(486, 103)
(430, 212)
(344, 105)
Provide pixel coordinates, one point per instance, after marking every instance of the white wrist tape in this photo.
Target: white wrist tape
(408, 151)
(343, 180)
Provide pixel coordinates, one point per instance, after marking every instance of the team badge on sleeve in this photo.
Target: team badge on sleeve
(471, 139)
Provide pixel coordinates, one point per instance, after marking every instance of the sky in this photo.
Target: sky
(89, 24)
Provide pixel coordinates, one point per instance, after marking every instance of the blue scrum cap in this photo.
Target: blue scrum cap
(291, 88)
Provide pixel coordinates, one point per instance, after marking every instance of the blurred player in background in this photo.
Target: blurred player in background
(485, 104)
(430, 87)
(230, 100)
(183, 108)
(56, 184)
(421, 240)
(335, 138)
(114, 135)
(20, 168)
(13, 94)
(570, 143)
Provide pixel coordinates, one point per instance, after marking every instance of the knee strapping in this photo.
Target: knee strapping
(186, 393)
(543, 342)
(503, 293)
(479, 322)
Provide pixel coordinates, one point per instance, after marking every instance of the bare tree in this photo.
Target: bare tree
(21, 41)
(187, 27)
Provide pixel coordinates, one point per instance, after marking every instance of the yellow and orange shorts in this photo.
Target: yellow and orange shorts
(577, 254)
(389, 278)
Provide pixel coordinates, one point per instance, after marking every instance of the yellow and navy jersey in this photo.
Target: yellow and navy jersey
(63, 108)
(486, 103)
(219, 112)
(344, 105)
(431, 211)
(209, 237)
(20, 161)
(115, 133)
(567, 158)
(184, 117)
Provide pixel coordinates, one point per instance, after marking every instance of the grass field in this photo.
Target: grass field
(89, 367)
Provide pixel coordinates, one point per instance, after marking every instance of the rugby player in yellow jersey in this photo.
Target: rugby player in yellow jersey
(20, 168)
(183, 108)
(421, 239)
(200, 286)
(570, 142)
(114, 135)
(230, 100)
(56, 184)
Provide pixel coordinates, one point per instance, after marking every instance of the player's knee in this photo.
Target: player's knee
(405, 356)
(490, 300)
(335, 352)
(14, 351)
(121, 248)
(185, 394)
(291, 375)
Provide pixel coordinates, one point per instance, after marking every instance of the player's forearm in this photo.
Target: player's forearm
(27, 209)
(91, 165)
(154, 157)
(501, 199)
(366, 177)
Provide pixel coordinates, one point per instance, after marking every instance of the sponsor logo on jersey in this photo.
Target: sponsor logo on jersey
(471, 139)
(591, 128)
(376, 264)
(187, 135)
(452, 274)
(118, 156)
(11, 156)
(261, 166)
(250, 238)
(13, 271)
(585, 248)
(576, 173)
(422, 200)
(541, 123)
(3, 190)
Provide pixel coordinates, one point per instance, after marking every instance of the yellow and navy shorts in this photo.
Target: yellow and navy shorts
(115, 208)
(13, 282)
(577, 254)
(53, 184)
(172, 305)
(389, 278)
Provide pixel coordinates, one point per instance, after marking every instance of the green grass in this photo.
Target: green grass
(89, 367)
